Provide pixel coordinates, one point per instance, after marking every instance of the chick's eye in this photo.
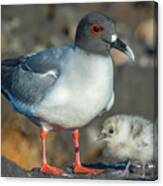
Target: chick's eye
(96, 29)
(111, 131)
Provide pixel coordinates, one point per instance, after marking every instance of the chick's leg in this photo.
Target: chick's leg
(143, 170)
(45, 168)
(125, 172)
(78, 168)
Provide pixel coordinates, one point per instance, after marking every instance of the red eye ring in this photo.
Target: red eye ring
(96, 29)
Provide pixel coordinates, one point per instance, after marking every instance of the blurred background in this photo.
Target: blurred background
(28, 28)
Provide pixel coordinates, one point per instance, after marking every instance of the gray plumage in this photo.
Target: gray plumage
(25, 77)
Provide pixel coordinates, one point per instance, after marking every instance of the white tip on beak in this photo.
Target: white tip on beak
(130, 53)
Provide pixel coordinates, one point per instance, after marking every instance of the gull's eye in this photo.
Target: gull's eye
(96, 29)
(111, 131)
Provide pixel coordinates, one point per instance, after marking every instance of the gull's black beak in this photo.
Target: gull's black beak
(120, 45)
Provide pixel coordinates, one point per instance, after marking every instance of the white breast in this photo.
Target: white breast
(84, 89)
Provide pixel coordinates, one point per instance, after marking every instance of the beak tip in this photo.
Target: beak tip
(130, 53)
(100, 137)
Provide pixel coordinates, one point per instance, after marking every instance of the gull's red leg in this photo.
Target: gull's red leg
(45, 167)
(78, 168)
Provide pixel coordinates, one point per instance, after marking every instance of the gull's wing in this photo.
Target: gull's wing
(27, 79)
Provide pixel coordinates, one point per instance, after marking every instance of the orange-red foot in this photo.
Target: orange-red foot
(80, 169)
(45, 168)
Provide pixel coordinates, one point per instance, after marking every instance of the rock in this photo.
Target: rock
(10, 169)
(145, 32)
(19, 145)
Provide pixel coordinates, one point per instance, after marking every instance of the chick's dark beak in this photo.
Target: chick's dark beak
(120, 45)
(101, 136)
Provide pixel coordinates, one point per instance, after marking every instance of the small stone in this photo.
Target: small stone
(145, 32)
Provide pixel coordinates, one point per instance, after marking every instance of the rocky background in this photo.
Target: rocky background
(28, 28)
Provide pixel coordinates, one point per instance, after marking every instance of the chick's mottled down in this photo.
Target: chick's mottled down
(128, 137)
